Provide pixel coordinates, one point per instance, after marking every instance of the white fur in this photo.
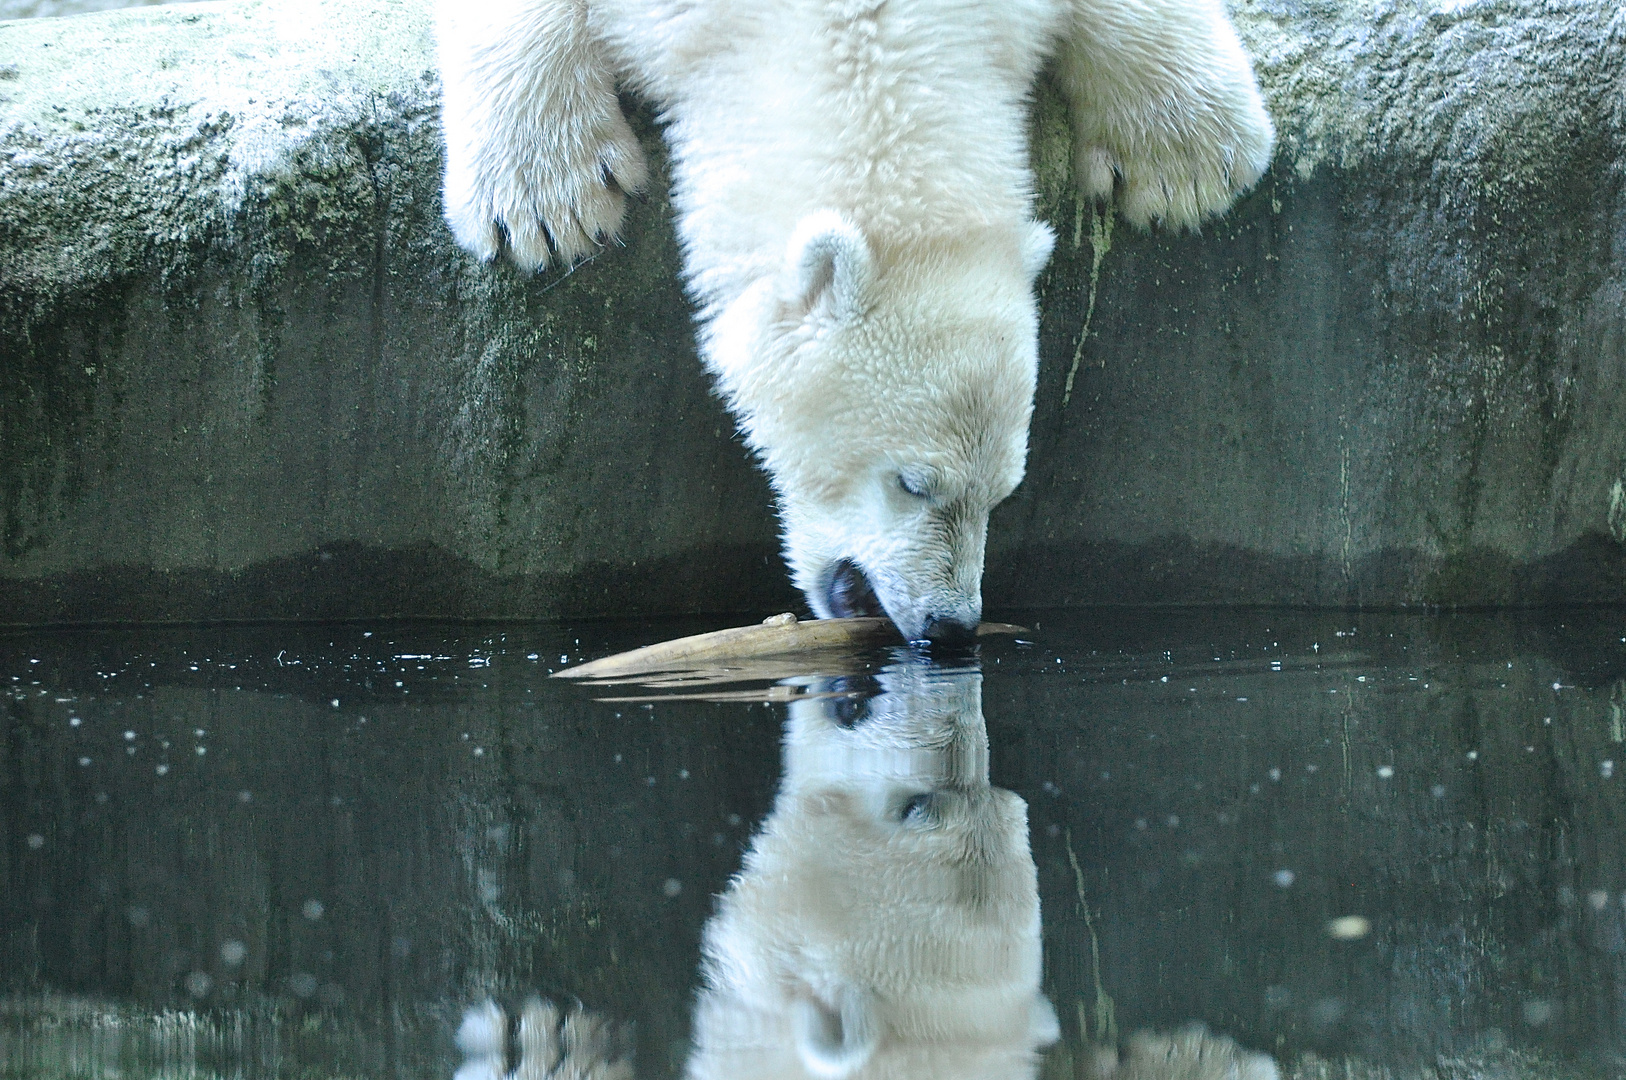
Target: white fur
(855, 205)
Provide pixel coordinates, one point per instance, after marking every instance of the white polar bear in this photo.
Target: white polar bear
(856, 209)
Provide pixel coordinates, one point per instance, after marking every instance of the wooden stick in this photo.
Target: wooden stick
(776, 636)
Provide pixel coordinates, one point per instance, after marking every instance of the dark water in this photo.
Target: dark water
(1354, 842)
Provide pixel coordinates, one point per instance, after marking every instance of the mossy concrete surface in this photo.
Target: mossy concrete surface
(244, 373)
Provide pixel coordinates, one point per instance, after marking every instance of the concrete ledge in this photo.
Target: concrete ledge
(244, 372)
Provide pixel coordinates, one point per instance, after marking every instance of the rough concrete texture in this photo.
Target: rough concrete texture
(245, 373)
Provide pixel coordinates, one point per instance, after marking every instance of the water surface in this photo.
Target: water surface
(1350, 841)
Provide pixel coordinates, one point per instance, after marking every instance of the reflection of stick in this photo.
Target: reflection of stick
(1106, 1021)
(1100, 244)
(777, 636)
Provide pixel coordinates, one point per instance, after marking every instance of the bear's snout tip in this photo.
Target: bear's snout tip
(949, 630)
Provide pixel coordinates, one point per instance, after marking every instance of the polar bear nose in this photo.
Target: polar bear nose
(949, 630)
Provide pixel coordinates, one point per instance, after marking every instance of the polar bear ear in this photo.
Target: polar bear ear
(1038, 240)
(828, 255)
(834, 1041)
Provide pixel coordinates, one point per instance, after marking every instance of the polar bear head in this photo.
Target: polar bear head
(887, 389)
(886, 920)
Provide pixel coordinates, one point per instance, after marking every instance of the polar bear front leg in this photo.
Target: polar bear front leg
(536, 146)
(1165, 108)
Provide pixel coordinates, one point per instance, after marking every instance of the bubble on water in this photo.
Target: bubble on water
(302, 983)
(334, 703)
(1539, 1011)
(1607, 769)
(1385, 772)
(233, 953)
(1326, 1012)
(202, 750)
(1598, 899)
(1438, 791)
(1473, 755)
(1349, 927)
(1284, 878)
(129, 735)
(1275, 775)
(1140, 823)
(479, 751)
(84, 761)
(245, 796)
(312, 909)
(672, 886)
(74, 721)
(161, 770)
(35, 841)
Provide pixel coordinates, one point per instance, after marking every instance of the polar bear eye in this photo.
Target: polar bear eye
(913, 485)
(920, 810)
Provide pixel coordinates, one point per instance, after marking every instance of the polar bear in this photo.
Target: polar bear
(856, 209)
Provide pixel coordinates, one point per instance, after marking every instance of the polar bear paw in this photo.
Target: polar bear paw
(551, 195)
(1191, 1053)
(1176, 163)
(546, 1043)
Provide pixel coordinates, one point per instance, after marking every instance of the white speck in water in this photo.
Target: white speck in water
(1284, 878)
(162, 770)
(35, 841)
(1253, 789)
(1558, 686)
(1275, 775)
(650, 780)
(198, 983)
(1140, 823)
(245, 796)
(1242, 699)
(479, 751)
(618, 759)
(1360, 678)
(74, 721)
(129, 735)
(733, 820)
(1606, 769)
(334, 703)
(1385, 772)
(84, 761)
(533, 656)
(1312, 767)
(1172, 821)
(1598, 899)
(312, 909)
(202, 750)
(672, 886)
(302, 983)
(199, 732)
(1438, 791)
(366, 633)
(233, 953)
(1473, 755)
(1349, 927)
(129, 750)
(1538, 1011)
(683, 774)
(1165, 678)
(398, 682)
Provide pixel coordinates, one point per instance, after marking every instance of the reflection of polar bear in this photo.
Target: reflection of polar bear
(855, 205)
(886, 921)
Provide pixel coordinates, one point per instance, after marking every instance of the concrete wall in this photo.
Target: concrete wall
(244, 372)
